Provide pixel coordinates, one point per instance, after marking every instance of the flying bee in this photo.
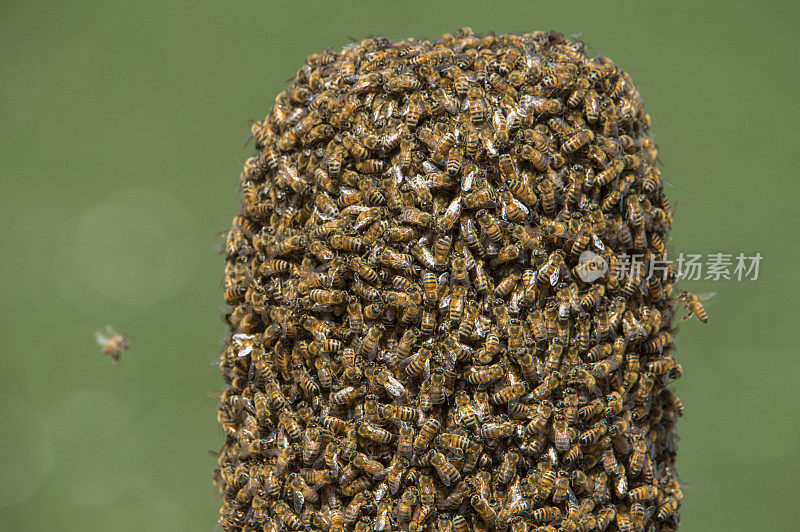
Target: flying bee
(694, 305)
(112, 343)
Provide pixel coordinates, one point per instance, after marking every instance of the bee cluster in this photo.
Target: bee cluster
(413, 344)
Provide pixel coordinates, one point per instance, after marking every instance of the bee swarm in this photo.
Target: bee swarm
(414, 343)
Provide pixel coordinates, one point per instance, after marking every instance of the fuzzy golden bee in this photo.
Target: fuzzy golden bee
(112, 343)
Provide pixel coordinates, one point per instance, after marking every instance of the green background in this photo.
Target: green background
(120, 125)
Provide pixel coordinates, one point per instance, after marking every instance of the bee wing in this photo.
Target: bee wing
(469, 179)
(381, 521)
(648, 512)
(479, 409)
(406, 361)
(397, 173)
(622, 485)
(298, 501)
(101, 338)
(380, 475)
(335, 466)
(318, 462)
(394, 387)
(705, 296)
(598, 243)
(451, 105)
(521, 206)
(497, 119)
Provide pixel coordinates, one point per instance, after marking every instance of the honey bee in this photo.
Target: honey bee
(426, 434)
(694, 305)
(405, 440)
(414, 110)
(547, 387)
(476, 105)
(642, 392)
(370, 343)
(455, 160)
(376, 434)
(114, 344)
(450, 216)
(667, 508)
(482, 197)
(457, 303)
(508, 393)
(441, 251)
(546, 514)
(577, 141)
(549, 272)
(500, 84)
(638, 455)
(233, 294)
(593, 434)
(643, 493)
(416, 217)
(515, 210)
(284, 513)
(346, 395)
(591, 299)
(404, 155)
(487, 513)
(508, 468)
(406, 503)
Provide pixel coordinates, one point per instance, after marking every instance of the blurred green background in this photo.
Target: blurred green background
(120, 125)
